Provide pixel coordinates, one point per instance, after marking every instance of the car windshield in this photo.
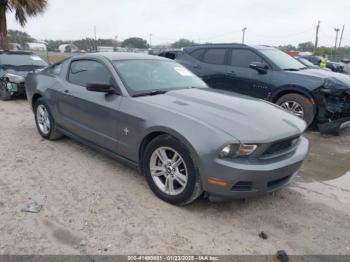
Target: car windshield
(16, 60)
(283, 60)
(142, 76)
(306, 62)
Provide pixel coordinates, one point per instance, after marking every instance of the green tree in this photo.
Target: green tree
(182, 43)
(306, 47)
(135, 42)
(52, 45)
(286, 48)
(15, 36)
(22, 9)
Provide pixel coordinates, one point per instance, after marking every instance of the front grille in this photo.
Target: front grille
(242, 186)
(278, 182)
(281, 146)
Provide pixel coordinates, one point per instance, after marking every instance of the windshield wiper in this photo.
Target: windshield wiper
(151, 93)
(291, 69)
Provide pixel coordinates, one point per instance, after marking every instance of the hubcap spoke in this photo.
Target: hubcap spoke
(294, 108)
(162, 156)
(182, 179)
(158, 171)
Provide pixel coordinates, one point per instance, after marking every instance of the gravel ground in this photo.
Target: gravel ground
(95, 205)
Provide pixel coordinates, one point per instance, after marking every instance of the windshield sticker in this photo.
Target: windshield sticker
(36, 58)
(183, 71)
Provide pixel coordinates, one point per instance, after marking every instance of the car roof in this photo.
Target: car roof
(227, 45)
(16, 52)
(113, 56)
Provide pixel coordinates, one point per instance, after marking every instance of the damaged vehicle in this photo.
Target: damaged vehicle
(321, 98)
(14, 67)
(159, 117)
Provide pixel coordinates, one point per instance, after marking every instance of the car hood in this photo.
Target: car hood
(15, 72)
(246, 119)
(324, 75)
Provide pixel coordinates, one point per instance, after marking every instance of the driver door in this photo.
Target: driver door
(244, 79)
(90, 115)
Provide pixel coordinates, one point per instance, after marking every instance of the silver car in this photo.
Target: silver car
(156, 115)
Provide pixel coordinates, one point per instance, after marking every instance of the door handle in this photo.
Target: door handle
(196, 67)
(66, 91)
(231, 72)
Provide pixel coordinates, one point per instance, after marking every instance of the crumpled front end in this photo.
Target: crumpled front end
(13, 83)
(333, 100)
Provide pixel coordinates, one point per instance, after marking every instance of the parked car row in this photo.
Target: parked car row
(333, 66)
(186, 138)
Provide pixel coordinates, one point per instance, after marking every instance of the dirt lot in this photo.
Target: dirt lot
(94, 205)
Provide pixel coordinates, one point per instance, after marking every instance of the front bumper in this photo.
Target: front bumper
(333, 109)
(243, 180)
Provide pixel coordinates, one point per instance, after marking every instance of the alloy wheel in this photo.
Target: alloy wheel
(168, 171)
(294, 107)
(43, 119)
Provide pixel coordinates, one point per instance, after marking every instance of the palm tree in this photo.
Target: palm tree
(22, 9)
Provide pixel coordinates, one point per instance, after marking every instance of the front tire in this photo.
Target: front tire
(170, 172)
(44, 121)
(5, 95)
(298, 105)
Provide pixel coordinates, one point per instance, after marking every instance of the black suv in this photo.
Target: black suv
(14, 67)
(264, 72)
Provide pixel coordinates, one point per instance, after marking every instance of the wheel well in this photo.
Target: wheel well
(287, 92)
(34, 99)
(148, 139)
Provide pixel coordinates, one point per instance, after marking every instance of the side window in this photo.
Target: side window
(197, 53)
(83, 72)
(215, 56)
(244, 57)
(55, 69)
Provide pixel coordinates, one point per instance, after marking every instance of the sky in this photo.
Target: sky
(270, 22)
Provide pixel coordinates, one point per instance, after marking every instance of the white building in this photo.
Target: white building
(35, 46)
(105, 49)
(68, 48)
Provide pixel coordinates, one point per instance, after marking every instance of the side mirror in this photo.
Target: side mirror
(102, 88)
(260, 67)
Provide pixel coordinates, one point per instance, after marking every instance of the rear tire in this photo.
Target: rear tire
(171, 161)
(5, 95)
(45, 123)
(298, 105)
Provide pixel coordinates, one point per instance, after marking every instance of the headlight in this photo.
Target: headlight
(15, 78)
(235, 150)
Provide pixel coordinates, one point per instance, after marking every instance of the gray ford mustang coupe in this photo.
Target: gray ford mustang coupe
(156, 115)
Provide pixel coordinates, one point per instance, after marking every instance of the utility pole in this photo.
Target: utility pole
(95, 37)
(341, 36)
(316, 40)
(336, 38)
(150, 40)
(243, 31)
